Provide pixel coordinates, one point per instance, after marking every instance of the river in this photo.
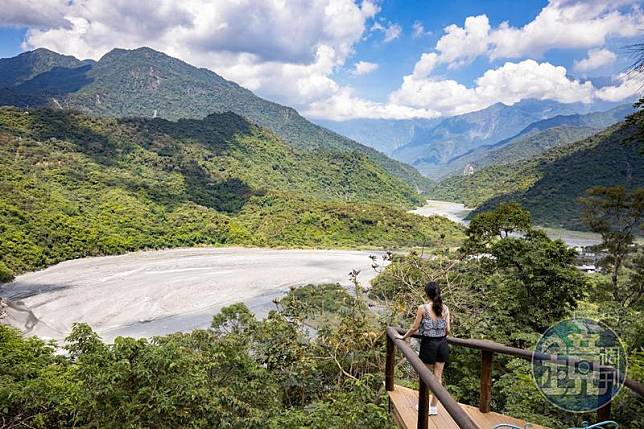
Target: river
(143, 294)
(458, 212)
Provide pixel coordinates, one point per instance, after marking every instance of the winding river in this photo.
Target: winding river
(458, 212)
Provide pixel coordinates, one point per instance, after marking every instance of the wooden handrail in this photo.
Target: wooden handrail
(462, 419)
(494, 347)
(488, 348)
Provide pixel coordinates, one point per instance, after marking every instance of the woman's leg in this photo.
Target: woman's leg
(438, 373)
(430, 366)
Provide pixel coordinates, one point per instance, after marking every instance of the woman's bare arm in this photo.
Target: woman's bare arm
(415, 325)
(449, 321)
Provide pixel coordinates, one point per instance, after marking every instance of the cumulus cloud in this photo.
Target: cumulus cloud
(425, 65)
(627, 85)
(462, 44)
(363, 67)
(22, 13)
(269, 30)
(345, 105)
(510, 83)
(392, 32)
(562, 24)
(596, 58)
(566, 24)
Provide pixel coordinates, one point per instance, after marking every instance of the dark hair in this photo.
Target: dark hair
(434, 293)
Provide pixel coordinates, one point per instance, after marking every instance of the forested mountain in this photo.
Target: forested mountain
(146, 83)
(539, 137)
(549, 184)
(73, 185)
(431, 150)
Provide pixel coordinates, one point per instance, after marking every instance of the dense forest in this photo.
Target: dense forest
(550, 184)
(147, 83)
(246, 373)
(74, 185)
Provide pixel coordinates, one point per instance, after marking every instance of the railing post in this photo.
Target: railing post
(486, 381)
(389, 364)
(423, 404)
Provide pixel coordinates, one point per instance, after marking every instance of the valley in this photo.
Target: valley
(181, 250)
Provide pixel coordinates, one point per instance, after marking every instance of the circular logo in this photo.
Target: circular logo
(587, 365)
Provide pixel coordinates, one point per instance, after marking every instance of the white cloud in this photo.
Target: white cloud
(629, 84)
(461, 45)
(391, 31)
(567, 24)
(23, 13)
(596, 58)
(513, 82)
(345, 105)
(508, 84)
(418, 30)
(425, 65)
(363, 67)
(562, 24)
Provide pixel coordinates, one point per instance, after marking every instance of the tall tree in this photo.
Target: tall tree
(491, 225)
(615, 213)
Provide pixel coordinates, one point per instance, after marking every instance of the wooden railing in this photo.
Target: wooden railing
(427, 380)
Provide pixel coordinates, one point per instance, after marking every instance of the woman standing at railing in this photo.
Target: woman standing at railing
(433, 324)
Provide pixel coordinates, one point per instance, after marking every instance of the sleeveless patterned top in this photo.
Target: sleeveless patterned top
(432, 327)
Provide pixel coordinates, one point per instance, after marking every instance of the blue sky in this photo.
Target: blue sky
(417, 58)
(397, 57)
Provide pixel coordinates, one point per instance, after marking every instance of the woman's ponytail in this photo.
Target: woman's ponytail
(434, 293)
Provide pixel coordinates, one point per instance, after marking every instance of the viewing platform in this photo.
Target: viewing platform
(403, 402)
(409, 408)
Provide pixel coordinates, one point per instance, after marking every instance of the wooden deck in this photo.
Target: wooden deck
(403, 402)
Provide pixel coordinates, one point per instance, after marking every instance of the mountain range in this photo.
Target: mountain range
(537, 138)
(147, 83)
(444, 146)
(550, 183)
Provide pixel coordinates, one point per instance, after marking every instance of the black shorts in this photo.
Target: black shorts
(433, 349)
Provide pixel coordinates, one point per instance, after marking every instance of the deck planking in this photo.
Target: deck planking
(403, 402)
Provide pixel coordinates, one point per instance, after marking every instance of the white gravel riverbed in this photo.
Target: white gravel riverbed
(143, 294)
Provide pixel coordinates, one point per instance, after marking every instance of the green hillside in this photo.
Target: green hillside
(548, 185)
(538, 137)
(74, 185)
(531, 145)
(146, 83)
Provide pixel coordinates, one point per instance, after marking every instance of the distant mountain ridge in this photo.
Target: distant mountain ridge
(431, 145)
(430, 152)
(146, 83)
(539, 137)
(550, 183)
(382, 134)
